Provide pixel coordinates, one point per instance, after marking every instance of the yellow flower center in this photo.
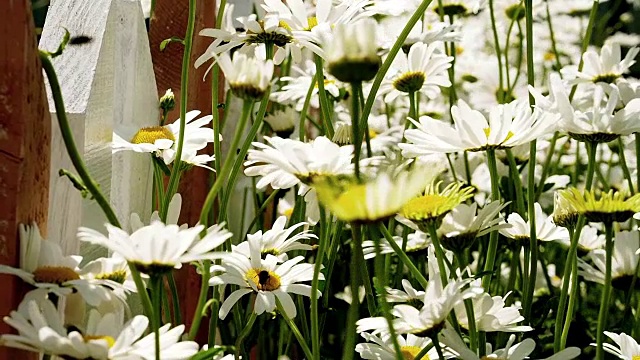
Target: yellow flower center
(149, 135)
(110, 341)
(263, 279)
(549, 56)
(411, 352)
(372, 134)
(118, 276)
(288, 212)
(54, 275)
(311, 23)
(635, 357)
(425, 206)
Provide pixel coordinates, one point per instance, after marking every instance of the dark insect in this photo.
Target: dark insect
(80, 40)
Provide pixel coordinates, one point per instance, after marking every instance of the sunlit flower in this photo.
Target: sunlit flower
(608, 207)
(157, 248)
(624, 261)
(408, 295)
(423, 70)
(509, 125)
(416, 243)
(249, 77)
(462, 226)
(381, 347)
(162, 141)
(351, 51)
(284, 163)
(589, 240)
(603, 68)
(627, 347)
(492, 314)
(41, 329)
(378, 198)
(294, 88)
(546, 230)
(43, 266)
(266, 278)
(277, 241)
(434, 204)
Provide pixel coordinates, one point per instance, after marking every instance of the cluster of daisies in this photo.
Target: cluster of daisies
(425, 183)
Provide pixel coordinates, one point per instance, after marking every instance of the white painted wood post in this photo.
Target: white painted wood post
(107, 84)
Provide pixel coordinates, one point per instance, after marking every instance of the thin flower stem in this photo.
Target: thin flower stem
(323, 244)
(571, 255)
(606, 293)
(546, 165)
(176, 169)
(354, 308)
(70, 144)
(260, 211)
(496, 44)
(533, 264)
(432, 229)
(175, 299)
(226, 168)
(413, 111)
(355, 127)
(381, 283)
(637, 138)
(552, 37)
(327, 119)
(585, 42)
(623, 164)
(517, 182)
(436, 344)
(493, 236)
(570, 310)
(305, 108)
(215, 89)
(157, 288)
(403, 256)
(295, 331)
(244, 333)
(375, 86)
(423, 352)
(202, 299)
(468, 306)
(213, 321)
(362, 268)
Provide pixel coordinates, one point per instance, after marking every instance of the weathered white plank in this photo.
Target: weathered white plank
(106, 83)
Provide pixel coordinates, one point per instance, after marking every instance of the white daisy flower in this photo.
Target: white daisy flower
(603, 68)
(158, 247)
(462, 226)
(417, 242)
(277, 241)
(461, 7)
(624, 261)
(381, 347)
(248, 77)
(347, 296)
(627, 347)
(491, 314)
(43, 266)
(351, 51)
(410, 294)
(162, 141)
(266, 278)
(438, 302)
(284, 163)
(41, 329)
(546, 230)
(509, 125)
(115, 269)
(294, 88)
(589, 239)
(423, 70)
(283, 122)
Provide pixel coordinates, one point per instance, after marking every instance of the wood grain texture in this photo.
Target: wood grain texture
(170, 19)
(25, 131)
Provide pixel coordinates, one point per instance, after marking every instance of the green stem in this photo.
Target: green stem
(552, 37)
(175, 299)
(585, 42)
(327, 119)
(354, 308)
(202, 299)
(606, 293)
(70, 144)
(571, 255)
(361, 265)
(572, 304)
(517, 183)
(156, 281)
(305, 108)
(215, 78)
(417, 274)
(228, 161)
(623, 164)
(244, 333)
(174, 179)
(493, 236)
(260, 211)
(432, 229)
(375, 86)
(547, 163)
(322, 249)
(496, 44)
(436, 344)
(381, 283)
(357, 139)
(295, 331)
